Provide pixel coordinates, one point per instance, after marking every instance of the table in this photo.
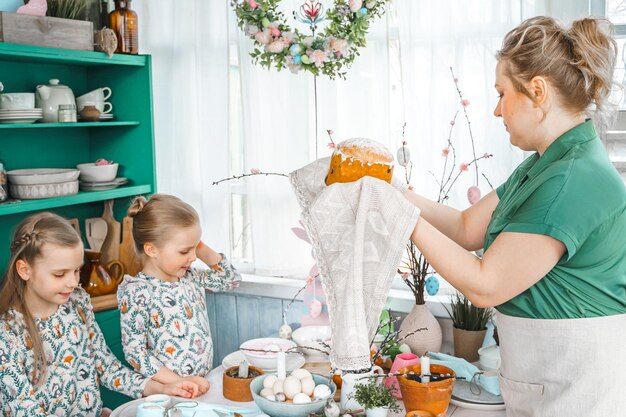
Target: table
(214, 396)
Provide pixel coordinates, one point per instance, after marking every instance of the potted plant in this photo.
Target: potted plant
(375, 398)
(470, 326)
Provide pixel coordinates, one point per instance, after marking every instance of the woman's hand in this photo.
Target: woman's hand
(202, 383)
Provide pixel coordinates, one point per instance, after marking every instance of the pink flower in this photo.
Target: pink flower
(445, 151)
(339, 46)
(318, 57)
(404, 143)
(276, 47)
(255, 171)
(263, 37)
(465, 102)
(309, 280)
(331, 145)
(451, 122)
(330, 132)
(288, 37)
(411, 187)
(464, 166)
(275, 32)
(253, 5)
(355, 5)
(405, 276)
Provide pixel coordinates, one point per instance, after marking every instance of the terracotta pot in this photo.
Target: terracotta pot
(428, 340)
(467, 343)
(96, 279)
(238, 389)
(433, 397)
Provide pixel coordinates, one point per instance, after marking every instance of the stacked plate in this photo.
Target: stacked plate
(106, 116)
(102, 186)
(20, 116)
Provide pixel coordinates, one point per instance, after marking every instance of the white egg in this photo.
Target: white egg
(301, 373)
(278, 386)
(265, 392)
(269, 381)
(308, 385)
(321, 391)
(301, 398)
(271, 398)
(292, 386)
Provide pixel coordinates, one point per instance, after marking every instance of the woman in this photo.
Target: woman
(554, 234)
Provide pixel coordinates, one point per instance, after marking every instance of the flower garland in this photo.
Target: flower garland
(330, 53)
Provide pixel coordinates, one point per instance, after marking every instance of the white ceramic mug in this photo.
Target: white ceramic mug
(348, 386)
(100, 105)
(17, 101)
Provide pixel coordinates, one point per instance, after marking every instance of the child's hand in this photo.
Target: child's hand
(183, 388)
(208, 255)
(203, 384)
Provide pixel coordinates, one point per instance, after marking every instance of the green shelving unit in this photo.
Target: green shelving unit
(128, 140)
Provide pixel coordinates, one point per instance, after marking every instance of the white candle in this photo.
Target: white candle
(425, 362)
(281, 365)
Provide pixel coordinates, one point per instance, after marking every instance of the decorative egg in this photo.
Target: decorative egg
(403, 156)
(321, 391)
(278, 386)
(473, 194)
(271, 398)
(308, 385)
(285, 331)
(432, 285)
(301, 373)
(292, 386)
(301, 398)
(315, 308)
(404, 348)
(280, 397)
(266, 392)
(269, 381)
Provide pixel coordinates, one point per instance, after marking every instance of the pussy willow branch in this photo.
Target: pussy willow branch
(237, 177)
(469, 124)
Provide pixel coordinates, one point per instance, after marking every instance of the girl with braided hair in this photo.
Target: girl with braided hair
(53, 355)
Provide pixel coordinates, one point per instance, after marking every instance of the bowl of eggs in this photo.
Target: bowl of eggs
(263, 352)
(298, 395)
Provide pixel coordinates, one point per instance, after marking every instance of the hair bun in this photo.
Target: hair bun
(136, 206)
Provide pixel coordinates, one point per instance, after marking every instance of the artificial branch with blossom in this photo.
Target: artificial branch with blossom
(415, 268)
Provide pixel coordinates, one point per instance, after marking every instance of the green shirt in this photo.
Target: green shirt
(575, 195)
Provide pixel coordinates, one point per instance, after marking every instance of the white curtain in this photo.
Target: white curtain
(188, 41)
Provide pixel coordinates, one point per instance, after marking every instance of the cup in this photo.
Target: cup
(96, 98)
(17, 101)
(159, 399)
(150, 410)
(100, 105)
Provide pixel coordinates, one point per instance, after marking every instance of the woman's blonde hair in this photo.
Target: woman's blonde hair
(30, 237)
(578, 61)
(155, 219)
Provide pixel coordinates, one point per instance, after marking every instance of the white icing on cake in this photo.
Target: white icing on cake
(366, 145)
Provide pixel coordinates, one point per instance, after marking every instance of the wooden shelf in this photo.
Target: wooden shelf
(65, 125)
(82, 197)
(40, 54)
(104, 302)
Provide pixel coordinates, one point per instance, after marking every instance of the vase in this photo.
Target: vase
(467, 343)
(430, 399)
(428, 340)
(377, 412)
(348, 387)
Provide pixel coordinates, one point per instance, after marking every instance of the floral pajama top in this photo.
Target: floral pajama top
(166, 323)
(78, 361)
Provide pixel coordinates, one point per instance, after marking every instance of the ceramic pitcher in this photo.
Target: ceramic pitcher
(96, 279)
(349, 381)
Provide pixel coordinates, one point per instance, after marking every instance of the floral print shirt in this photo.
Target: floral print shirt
(166, 323)
(78, 357)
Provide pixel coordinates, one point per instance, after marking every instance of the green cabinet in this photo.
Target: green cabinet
(128, 140)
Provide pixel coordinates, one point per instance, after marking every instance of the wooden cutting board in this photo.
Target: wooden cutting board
(76, 225)
(128, 257)
(111, 245)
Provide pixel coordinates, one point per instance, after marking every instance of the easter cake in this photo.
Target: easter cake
(359, 157)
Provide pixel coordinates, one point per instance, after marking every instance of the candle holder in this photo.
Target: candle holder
(237, 388)
(434, 396)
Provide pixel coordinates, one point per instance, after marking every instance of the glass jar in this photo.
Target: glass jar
(67, 113)
(4, 188)
(123, 21)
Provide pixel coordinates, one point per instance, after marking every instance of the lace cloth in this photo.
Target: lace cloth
(358, 231)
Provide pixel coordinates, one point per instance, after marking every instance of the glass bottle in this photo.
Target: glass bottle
(123, 21)
(4, 188)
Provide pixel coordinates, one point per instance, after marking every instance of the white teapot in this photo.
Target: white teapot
(50, 97)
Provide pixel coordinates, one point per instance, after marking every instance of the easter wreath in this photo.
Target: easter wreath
(330, 52)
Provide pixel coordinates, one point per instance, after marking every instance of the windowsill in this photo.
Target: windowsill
(401, 301)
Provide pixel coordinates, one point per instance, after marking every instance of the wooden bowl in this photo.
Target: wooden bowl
(238, 389)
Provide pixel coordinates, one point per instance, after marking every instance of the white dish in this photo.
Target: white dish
(475, 406)
(27, 120)
(38, 191)
(294, 361)
(262, 352)
(39, 176)
(463, 396)
(90, 172)
(103, 186)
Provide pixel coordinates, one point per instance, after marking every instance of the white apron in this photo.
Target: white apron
(568, 368)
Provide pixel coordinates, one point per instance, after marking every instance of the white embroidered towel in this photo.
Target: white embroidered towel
(359, 231)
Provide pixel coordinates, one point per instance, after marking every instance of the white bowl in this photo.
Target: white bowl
(37, 191)
(489, 358)
(97, 173)
(267, 359)
(312, 337)
(39, 176)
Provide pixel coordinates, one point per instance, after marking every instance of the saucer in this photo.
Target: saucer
(102, 186)
(294, 361)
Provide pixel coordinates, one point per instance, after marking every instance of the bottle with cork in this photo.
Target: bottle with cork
(123, 21)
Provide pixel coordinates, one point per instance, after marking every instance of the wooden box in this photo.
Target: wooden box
(46, 31)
